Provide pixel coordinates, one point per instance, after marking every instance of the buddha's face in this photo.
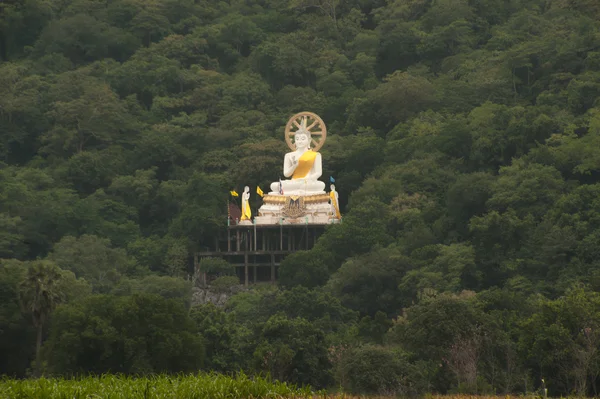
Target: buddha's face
(301, 140)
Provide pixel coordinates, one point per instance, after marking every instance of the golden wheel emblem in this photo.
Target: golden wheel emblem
(294, 208)
(311, 122)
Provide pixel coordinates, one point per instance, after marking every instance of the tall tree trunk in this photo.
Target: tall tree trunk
(38, 350)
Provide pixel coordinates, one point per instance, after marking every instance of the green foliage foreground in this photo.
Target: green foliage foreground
(163, 386)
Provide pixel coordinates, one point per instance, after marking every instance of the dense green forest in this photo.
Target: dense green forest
(464, 136)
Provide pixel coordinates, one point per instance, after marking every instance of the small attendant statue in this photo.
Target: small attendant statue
(335, 203)
(246, 212)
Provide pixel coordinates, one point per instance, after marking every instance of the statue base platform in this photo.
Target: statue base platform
(295, 209)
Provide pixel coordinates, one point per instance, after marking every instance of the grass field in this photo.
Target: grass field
(211, 386)
(158, 387)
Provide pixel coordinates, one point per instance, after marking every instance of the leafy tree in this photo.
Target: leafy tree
(87, 171)
(44, 207)
(149, 23)
(88, 115)
(399, 97)
(225, 284)
(228, 343)
(164, 286)
(11, 240)
(292, 350)
(375, 370)
(201, 214)
(253, 306)
(374, 329)
(216, 266)
(318, 306)
(447, 328)
(361, 231)
(20, 25)
(308, 269)
(93, 259)
(43, 288)
(16, 333)
(21, 112)
(560, 337)
(142, 333)
(105, 216)
(369, 283)
(467, 197)
(83, 38)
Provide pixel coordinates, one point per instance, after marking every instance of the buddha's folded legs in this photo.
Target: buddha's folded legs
(298, 186)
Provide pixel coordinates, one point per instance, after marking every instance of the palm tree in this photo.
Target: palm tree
(40, 292)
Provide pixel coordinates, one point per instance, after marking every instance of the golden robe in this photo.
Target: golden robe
(337, 215)
(246, 212)
(305, 164)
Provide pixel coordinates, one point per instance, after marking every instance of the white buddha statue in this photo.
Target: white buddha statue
(304, 166)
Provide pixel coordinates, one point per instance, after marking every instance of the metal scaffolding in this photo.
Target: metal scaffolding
(256, 251)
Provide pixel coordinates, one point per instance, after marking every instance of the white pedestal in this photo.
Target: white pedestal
(295, 209)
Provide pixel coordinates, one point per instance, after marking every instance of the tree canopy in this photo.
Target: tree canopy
(464, 137)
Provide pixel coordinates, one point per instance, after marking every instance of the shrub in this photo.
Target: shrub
(374, 369)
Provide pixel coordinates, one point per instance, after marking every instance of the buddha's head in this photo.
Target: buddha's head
(302, 139)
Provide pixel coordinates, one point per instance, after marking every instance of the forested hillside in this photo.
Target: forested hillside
(464, 136)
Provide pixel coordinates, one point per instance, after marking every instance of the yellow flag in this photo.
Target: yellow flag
(259, 191)
(234, 193)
